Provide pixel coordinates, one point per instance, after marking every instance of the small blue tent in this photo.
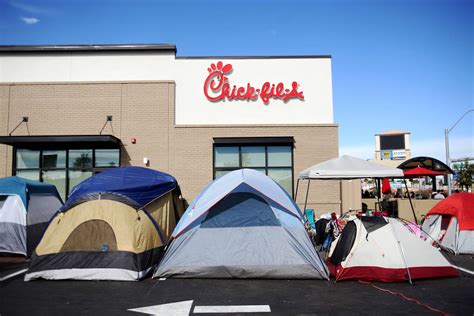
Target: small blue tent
(26, 206)
(243, 225)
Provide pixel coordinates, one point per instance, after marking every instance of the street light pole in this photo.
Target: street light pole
(446, 142)
(448, 160)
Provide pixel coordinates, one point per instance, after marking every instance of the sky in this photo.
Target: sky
(397, 64)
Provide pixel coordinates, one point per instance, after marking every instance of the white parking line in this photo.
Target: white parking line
(175, 309)
(14, 274)
(465, 270)
(184, 308)
(232, 309)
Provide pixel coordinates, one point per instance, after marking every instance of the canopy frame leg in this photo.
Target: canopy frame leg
(411, 203)
(297, 185)
(306, 198)
(377, 192)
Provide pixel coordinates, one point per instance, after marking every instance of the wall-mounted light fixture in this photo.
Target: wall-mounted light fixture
(107, 120)
(24, 120)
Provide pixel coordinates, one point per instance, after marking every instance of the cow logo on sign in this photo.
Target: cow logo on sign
(217, 87)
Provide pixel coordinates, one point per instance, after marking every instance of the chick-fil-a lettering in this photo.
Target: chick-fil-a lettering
(217, 88)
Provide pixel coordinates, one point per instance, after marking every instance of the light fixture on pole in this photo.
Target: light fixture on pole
(23, 120)
(107, 120)
(446, 141)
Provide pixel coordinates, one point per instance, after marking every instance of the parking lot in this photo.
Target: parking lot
(281, 297)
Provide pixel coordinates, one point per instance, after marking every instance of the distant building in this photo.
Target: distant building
(392, 145)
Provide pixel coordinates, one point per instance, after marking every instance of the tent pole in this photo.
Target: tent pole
(409, 198)
(377, 185)
(306, 198)
(401, 251)
(297, 184)
(340, 196)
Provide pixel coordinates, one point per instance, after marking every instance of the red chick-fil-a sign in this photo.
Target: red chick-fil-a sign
(218, 88)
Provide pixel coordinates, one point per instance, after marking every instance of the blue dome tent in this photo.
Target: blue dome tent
(243, 225)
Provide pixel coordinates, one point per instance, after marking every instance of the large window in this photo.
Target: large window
(276, 161)
(63, 168)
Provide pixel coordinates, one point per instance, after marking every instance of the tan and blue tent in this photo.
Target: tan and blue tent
(113, 227)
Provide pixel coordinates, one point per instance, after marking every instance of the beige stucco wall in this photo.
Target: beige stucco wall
(351, 195)
(377, 148)
(421, 207)
(145, 111)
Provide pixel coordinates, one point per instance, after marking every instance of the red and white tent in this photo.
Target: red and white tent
(451, 223)
(382, 249)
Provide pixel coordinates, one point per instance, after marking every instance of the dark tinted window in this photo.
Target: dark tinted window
(54, 159)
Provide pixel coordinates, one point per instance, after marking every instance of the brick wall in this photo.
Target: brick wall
(145, 111)
(4, 101)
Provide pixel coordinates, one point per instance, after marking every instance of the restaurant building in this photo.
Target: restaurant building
(67, 112)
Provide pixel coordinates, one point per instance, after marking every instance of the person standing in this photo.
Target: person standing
(333, 230)
(439, 195)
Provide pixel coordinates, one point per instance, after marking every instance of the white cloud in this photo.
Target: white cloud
(459, 147)
(30, 21)
(31, 8)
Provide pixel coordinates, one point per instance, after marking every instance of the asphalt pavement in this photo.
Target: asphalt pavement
(284, 297)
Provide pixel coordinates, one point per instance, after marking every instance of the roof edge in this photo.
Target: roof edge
(392, 132)
(87, 48)
(258, 57)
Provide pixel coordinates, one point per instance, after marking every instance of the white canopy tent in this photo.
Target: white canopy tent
(348, 168)
(345, 168)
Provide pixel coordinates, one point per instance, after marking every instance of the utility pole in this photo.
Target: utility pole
(446, 142)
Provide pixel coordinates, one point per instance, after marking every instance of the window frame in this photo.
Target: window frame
(266, 167)
(40, 168)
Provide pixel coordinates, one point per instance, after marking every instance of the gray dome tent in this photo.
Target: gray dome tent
(243, 225)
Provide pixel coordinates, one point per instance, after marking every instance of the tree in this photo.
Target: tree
(83, 161)
(465, 172)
